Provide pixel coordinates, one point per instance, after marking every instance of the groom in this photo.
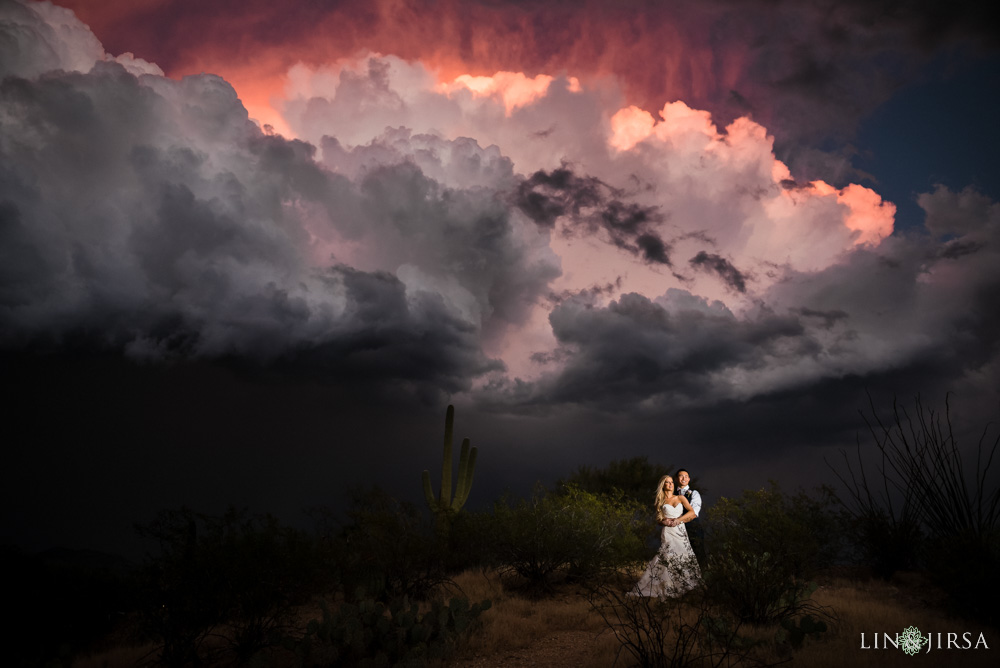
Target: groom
(694, 526)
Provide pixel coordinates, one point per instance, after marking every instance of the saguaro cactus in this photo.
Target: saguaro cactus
(445, 504)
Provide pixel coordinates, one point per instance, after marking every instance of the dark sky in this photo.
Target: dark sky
(250, 252)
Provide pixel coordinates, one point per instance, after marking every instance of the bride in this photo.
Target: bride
(674, 570)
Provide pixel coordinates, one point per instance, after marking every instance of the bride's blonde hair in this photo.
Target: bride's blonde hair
(661, 497)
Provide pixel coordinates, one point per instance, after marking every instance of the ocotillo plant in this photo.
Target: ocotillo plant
(444, 505)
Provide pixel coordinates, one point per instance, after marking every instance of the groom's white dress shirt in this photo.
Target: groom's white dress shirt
(695, 499)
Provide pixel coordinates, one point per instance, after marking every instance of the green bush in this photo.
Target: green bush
(370, 633)
(573, 533)
(388, 549)
(801, 532)
(763, 547)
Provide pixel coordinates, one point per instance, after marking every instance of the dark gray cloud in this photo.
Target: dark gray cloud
(587, 202)
(666, 352)
(152, 218)
(828, 318)
(547, 196)
(915, 307)
(722, 267)
(814, 70)
(435, 212)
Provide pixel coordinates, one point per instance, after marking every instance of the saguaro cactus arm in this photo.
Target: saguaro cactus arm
(429, 491)
(449, 430)
(466, 468)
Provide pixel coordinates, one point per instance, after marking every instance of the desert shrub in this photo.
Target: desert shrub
(919, 490)
(967, 564)
(757, 588)
(763, 547)
(573, 533)
(469, 541)
(387, 549)
(237, 578)
(800, 531)
(614, 528)
(370, 633)
(672, 633)
(631, 479)
(793, 631)
(885, 542)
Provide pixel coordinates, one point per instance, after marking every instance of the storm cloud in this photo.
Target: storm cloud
(545, 197)
(732, 276)
(259, 274)
(151, 217)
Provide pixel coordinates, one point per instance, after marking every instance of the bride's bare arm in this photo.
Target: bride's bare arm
(690, 514)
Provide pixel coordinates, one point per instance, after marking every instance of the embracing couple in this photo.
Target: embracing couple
(674, 570)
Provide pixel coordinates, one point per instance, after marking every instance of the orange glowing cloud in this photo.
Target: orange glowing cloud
(870, 217)
(514, 88)
(629, 126)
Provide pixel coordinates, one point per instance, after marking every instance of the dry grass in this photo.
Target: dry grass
(515, 630)
(117, 657)
(877, 607)
(562, 630)
(517, 626)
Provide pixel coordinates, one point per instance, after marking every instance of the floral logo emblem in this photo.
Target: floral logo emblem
(910, 640)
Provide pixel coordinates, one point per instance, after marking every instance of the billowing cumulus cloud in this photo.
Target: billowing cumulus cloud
(909, 303)
(676, 178)
(151, 217)
(523, 237)
(43, 37)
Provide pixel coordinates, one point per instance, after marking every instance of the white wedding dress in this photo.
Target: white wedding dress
(674, 570)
